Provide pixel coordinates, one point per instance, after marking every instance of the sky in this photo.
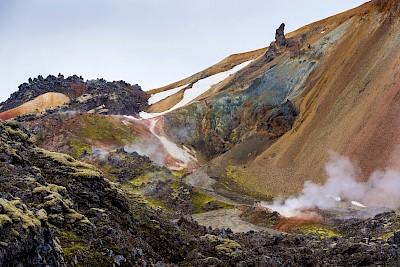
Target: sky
(149, 42)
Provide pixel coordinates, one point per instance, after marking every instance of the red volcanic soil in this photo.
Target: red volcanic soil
(377, 145)
(307, 217)
(39, 104)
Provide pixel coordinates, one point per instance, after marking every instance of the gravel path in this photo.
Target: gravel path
(228, 218)
(222, 218)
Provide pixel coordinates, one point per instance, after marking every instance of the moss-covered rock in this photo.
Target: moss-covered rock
(225, 247)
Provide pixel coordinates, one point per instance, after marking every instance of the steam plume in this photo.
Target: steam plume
(381, 189)
(99, 154)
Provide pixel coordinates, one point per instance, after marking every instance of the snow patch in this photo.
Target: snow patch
(163, 95)
(198, 88)
(205, 84)
(145, 115)
(336, 198)
(358, 204)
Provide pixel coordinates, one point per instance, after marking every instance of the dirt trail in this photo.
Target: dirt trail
(223, 218)
(228, 218)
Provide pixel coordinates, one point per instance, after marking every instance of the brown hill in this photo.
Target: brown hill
(341, 75)
(39, 104)
(350, 104)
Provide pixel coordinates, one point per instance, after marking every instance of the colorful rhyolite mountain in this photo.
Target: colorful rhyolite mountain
(260, 123)
(273, 115)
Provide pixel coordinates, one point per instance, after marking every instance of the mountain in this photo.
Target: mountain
(103, 173)
(263, 121)
(333, 86)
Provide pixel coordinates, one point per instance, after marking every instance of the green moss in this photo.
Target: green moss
(75, 248)
(105, 128)
(141, 180)
(71, 244)
(393, 263)
(18, 213)
(179, 173)
(4, 220)
(16, 134)
(157, 203)
(386, 236)
(175, 186)
(67, 164)
(78, 146)
(41, 215)
(323, 232)
(93, 130)
(223, 246)
(233, 173)
(202, 200)
(110, 172)
(149, 177)
(236, 180)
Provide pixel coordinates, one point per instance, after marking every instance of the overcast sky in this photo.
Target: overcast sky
(149, 42)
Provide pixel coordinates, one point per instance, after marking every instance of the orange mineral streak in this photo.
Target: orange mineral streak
(310, 216)
(39, 104)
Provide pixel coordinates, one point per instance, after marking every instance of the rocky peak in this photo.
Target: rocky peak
(280, 38)
(117, 97)
(280, 41)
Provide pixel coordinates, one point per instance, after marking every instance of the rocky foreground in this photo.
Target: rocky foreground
(56, 211)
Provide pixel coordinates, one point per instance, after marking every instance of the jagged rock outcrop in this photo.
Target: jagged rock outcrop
(274, 48)
(271, 53)
(95, 96)
(156, 184)
(280, 38)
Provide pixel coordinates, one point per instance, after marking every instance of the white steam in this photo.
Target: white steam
(150, 150)
(99, 154)
(160, 149)
(381, 189)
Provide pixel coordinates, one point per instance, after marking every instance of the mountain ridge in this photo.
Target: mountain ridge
(92, 179)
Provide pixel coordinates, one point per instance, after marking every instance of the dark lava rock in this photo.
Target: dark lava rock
(96, 96)
(280, 41)
(57, 211)
(280, 35)
(271, 52)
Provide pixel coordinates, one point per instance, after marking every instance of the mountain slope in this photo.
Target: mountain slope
(336, 78)
(263, 129)
(348, 105)
(38, 104)
(186, 84)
